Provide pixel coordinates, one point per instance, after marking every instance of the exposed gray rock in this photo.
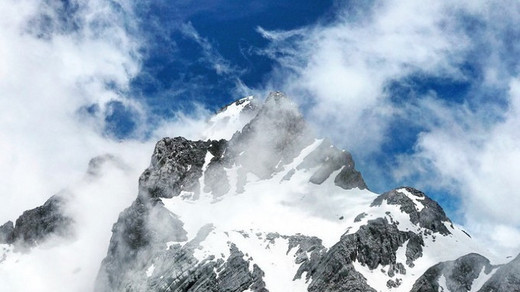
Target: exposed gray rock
(329, 159)
(143, 227)
(374, 244)
(395, 269)
(215, 178)
(217, 148)
(38, 224)
(258, 284)
(271, 237)
(143, 230)
(235, 275)
(335, 272)
(6, 232)
(459, 274)
(176, 269)
(431, 217)
(414, 248)
(309, 252)
(393, 284)
(176, 166)
(506, 278)
(349, 178)
(360, 217)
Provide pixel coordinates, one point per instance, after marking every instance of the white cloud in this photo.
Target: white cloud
(481, 162)
(340, 70)
(43, 83)
(72, 264)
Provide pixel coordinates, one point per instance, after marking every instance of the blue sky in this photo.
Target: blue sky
(186, 42)
(423, 94)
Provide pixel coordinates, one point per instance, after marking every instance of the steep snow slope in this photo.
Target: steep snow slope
(230, 119)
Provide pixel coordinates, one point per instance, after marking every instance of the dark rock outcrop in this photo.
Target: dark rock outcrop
(6, 232)
(329, 159)
(235, 275)
(374, 244)
(176, 166)
(36, 225)
(458, 275)
(308, 254)
(336, 273)
(377, 243)
(431, 217)
(360, 217)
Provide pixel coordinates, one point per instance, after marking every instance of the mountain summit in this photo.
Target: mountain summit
(274, 208)
(265, 205)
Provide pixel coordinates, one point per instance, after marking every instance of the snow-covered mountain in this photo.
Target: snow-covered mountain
(263, 204)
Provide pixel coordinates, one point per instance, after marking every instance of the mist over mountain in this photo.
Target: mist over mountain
(261, 204)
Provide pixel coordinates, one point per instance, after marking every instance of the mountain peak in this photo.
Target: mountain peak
(422, 210)
(231, 118)
(273, 208)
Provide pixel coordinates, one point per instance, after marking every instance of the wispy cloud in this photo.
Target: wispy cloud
(479, 161)
(209, 54)
(44, 80)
